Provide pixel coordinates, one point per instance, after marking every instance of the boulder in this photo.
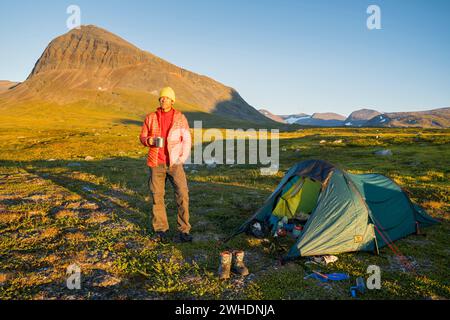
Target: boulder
(384, 153)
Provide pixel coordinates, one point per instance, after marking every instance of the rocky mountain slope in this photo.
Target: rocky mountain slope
(272, 116)
(6, 85)
(437, 118)
(360, 117)
(92, 62)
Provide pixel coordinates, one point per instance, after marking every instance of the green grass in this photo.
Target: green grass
(57, 209)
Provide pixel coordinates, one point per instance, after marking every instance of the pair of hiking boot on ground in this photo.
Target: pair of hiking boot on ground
(161, 236)
(226, 266)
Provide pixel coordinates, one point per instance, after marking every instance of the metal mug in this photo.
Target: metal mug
(159, 142)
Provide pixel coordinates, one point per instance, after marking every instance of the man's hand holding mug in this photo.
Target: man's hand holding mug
(157, 142)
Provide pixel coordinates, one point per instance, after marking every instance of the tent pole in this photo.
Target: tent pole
(376, 250)
(418, 228)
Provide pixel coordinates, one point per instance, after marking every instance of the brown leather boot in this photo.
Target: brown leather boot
(238, 265)
(225, 265)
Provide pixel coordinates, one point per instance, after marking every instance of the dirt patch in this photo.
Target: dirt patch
(197, 257)
(105, 280)
(204, 237)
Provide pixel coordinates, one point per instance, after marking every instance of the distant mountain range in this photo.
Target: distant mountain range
(437, 118)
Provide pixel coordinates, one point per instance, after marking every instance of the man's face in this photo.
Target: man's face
(166, 103)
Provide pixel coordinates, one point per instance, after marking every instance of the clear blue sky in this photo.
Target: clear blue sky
(285, 56)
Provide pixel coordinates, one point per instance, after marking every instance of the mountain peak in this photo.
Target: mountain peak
(94, 32)
(362, 115)
(89, 48)
(327, 116)
(90, 60)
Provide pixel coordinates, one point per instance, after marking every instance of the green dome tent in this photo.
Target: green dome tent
(347, 212)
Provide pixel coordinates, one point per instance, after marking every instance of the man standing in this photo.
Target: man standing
(166, 133)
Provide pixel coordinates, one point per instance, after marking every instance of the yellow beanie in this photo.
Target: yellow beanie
(167, 92)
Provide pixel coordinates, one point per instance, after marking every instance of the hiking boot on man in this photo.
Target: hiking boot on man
(160, 236)
(166, 133)
(183, 237)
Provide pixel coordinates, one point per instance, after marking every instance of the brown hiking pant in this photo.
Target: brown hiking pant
(157, 184)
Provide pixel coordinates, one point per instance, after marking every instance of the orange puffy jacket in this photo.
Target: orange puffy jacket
(179, 139)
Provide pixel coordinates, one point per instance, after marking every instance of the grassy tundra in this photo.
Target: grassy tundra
(57, 209)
